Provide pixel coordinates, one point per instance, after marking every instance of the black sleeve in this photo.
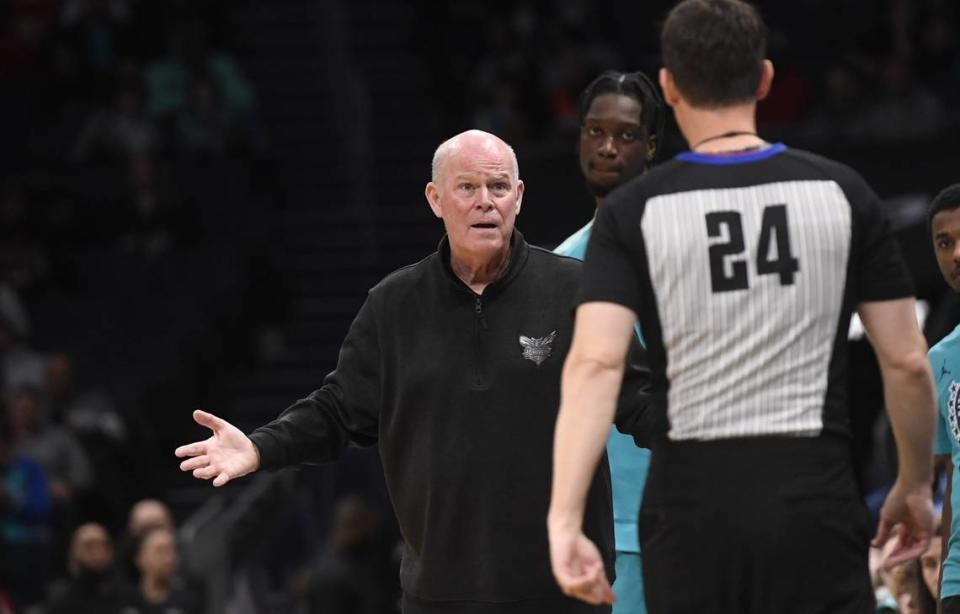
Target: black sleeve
(345, 409)
(610, 271)
(880, 273)
(634, 414)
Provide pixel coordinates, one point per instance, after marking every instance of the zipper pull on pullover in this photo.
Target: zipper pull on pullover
(478, 310)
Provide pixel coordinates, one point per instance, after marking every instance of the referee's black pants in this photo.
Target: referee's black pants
(755, 526)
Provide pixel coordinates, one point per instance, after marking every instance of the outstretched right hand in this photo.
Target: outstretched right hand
(228, 454)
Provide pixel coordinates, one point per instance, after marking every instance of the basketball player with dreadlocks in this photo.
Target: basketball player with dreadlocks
(621, 120)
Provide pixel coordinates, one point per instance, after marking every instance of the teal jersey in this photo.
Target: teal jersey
(945, 362)
(628, 463)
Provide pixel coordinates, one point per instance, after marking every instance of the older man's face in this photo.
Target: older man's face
(478, 197)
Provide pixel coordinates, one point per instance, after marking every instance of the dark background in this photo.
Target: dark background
(195, 196)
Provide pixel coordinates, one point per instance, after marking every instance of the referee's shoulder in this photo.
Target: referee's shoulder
(655, 181)
(829, 168)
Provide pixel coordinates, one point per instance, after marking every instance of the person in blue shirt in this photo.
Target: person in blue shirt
(621, 120)
(944, 218)
(25, 530)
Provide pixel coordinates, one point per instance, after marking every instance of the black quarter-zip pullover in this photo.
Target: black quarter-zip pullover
(461, 392)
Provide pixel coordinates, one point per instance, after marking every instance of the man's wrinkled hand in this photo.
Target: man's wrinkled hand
(228, 454)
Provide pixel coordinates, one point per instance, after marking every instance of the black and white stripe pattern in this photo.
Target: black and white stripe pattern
(750, 361)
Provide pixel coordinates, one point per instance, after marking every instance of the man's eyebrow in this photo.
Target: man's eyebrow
(942, 235)
(622, 122)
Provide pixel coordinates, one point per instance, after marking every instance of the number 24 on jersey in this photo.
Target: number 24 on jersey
(728, 262)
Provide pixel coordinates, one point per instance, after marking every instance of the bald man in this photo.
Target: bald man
(452, 367)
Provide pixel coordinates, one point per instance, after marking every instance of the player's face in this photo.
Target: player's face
(613, 144)
(945, 228)
(478, 197)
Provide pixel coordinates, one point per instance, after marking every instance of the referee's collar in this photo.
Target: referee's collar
(732, 158)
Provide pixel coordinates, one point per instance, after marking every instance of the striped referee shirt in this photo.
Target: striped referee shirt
(744, 271)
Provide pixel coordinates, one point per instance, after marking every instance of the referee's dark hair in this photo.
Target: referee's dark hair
(715, 50)
(636, 85)
(947, 199)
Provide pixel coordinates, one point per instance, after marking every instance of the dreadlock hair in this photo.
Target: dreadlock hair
(636, 85)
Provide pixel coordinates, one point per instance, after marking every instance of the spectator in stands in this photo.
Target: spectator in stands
(906, 110)
(928, 570)
(13, 311)
(168, 79)
(145, 515)
(90, 415)
(160, 589)
(85, 412)
(356, 570)
(23, 260)
(25, 534)
(20, 365)
(98, 27)
(50, 445)
(938, 52)
(123, 130)
(149, 514)
(93, 586)
(205, 125)
(904, 588)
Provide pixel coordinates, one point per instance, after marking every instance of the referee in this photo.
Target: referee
(743, 261)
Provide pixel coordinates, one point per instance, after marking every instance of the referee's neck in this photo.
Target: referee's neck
(698, 124)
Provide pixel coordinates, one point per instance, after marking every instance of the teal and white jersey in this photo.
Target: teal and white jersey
(628, 463)
(945, 362)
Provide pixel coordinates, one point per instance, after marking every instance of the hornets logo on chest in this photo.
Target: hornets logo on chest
(953, 407)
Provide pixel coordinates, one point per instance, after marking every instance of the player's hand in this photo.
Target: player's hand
(228, 454)
(908, 512)
(578, 567)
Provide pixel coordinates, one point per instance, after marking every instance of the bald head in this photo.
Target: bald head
(148, 514)
(470, 142)
(476, 191)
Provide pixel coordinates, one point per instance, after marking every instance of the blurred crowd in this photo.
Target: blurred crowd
(101, 101)
(877, 72)
(136, 572)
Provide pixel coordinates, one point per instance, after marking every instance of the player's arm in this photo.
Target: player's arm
(910, 399)
(589, 391)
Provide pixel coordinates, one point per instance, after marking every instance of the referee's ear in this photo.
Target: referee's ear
(766, 80)
(671, 95)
